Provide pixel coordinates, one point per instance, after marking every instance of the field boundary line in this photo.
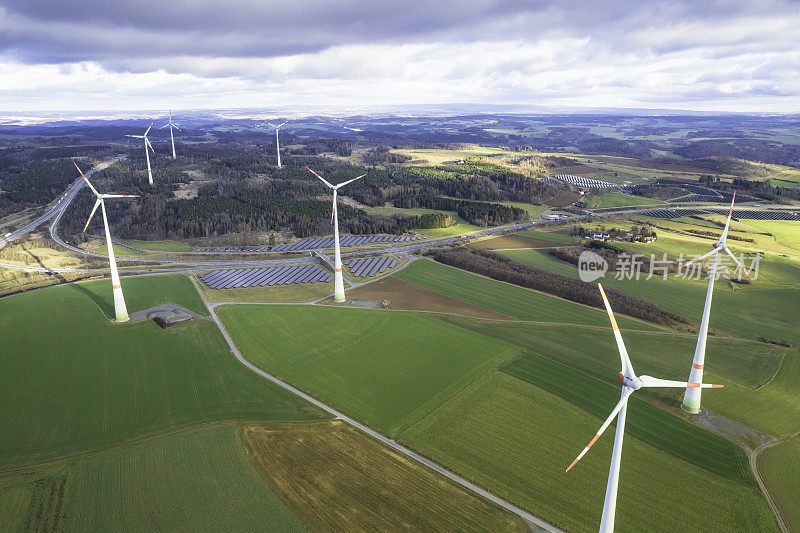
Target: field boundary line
(464, 483)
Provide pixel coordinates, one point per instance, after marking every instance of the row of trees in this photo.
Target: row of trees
(502, 268)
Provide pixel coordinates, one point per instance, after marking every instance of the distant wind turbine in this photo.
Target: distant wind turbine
(691, 400)
(338, 281)
(630, 383)
(277, 144)
(146, 153)
(171, 137)
(120, 311)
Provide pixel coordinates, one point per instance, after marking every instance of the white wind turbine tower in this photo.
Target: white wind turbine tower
(338, 281)
(120, 311)
(630, 383)
(277, 144)
(171, 137)
(146, 146)
(691, 400)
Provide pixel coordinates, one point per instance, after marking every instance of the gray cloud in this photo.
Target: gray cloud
(599, 53)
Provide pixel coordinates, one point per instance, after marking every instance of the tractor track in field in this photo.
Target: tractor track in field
(752, 456)
(534, 522)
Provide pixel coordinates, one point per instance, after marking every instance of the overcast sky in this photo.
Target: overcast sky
(329, 54)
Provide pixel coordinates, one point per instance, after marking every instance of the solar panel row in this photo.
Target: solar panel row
(260, 277)
(370, 266)
(737, 213)
(315, 243)
(584, 182)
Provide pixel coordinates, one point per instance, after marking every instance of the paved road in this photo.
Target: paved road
(57, 208)
(536, 523)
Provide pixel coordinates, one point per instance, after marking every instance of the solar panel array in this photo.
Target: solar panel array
(260, 277)
(737, 213)
(370, 266)
(316, 243)
(722, 198)
(584, 182)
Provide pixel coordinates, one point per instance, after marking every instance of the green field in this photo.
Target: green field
(143, 292)
(387, 369)
(773, 409)
(750, 311)
(612, 199)
(780, 468)
(197, 480)
(160, 246)
(505, 298)
(516, 440)
(659, 428)
(785, 232)
(78, 382)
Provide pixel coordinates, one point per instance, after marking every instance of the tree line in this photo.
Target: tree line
(502, 268)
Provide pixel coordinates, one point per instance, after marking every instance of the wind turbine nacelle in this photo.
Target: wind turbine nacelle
(633, 383)
(715, 245)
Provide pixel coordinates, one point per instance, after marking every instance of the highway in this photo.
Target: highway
(57, 208)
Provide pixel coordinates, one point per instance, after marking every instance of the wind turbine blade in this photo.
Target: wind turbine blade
(728, 222)
(282, 123)
(738, 263)
(177, 128)
(696, 259)
(650, 381)
(320, 177)
(135, 136)
(148, 129)
(164, 126)
(96, 205)
(333, 209)
(86, 179)
(613, 414)
(147, 143)
(350, 181)
(627, 367)
(120, 196)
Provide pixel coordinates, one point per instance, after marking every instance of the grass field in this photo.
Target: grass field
(785, 232)
(762, 308)
(516, 440)
(654, 426)
(143, 292)
(461, 225)
(780, 468)
(198, 479)
(388, 369)
(504, 298)
(665, 354)
(612, 199)
(160, 246)
(773, 409)
(79, 383)
(367, 486)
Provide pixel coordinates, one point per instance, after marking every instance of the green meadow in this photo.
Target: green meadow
(388, 369)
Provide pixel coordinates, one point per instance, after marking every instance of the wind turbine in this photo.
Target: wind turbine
(630, 383)
(146, 146)
(120, 311)
(277, 145)
(171, 137)
(338, 282)
(691, 400)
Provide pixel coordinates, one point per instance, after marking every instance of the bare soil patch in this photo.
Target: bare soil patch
(507, 242)
(405, 295)
(563, 199)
